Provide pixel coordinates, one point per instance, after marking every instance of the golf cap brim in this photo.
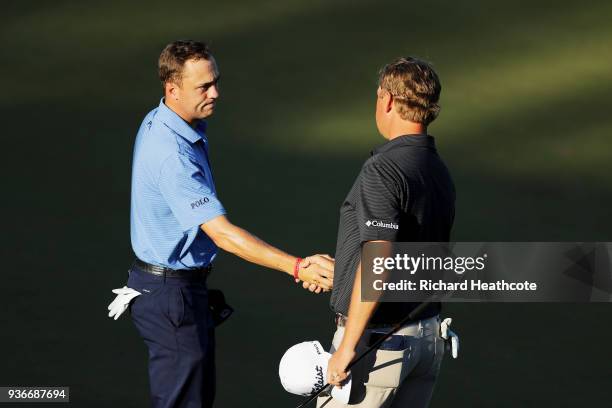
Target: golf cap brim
(341, 394)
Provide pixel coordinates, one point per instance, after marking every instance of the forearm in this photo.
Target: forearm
(359, 315)
(250, 248)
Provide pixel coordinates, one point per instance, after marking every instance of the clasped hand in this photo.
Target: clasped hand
(317, 273)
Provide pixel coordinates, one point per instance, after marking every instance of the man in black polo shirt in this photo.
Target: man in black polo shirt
(404, 192)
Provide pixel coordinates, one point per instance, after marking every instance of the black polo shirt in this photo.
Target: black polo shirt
(404, 193)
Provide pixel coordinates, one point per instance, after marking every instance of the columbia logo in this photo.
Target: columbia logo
(382, 224)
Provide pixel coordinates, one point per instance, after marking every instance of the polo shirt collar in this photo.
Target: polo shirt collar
(177, 124)
(419, 140)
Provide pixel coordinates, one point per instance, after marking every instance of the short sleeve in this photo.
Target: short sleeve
(188, 191)
(378, 203)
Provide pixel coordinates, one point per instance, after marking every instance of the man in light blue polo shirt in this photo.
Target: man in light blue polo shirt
(177, 224)
(173, 192)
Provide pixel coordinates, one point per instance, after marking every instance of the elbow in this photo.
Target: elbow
(226, 241)
(224, 234)
(221, 240)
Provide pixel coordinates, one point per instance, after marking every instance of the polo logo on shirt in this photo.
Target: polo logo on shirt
(382, 224)
(200, 202)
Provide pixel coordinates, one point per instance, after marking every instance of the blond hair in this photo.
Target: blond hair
(415, 88)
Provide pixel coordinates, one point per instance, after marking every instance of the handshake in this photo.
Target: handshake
(317, 273)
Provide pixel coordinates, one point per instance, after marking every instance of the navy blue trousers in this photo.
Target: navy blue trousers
(173, 318)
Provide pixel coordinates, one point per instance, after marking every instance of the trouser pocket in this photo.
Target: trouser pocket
(175, 310)
(388, 368)
(149, 291)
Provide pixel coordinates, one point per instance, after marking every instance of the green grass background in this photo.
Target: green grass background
(525, 128)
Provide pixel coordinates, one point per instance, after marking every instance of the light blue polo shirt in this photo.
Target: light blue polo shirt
(173, 192)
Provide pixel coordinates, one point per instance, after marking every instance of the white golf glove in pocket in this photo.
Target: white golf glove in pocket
(447, 334)
(120, 304)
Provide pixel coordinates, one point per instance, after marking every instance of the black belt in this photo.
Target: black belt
(173, 273)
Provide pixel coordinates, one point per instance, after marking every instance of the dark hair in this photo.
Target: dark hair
(173, 58)
(415, 88)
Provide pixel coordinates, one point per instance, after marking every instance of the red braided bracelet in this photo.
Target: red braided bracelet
(296, 269)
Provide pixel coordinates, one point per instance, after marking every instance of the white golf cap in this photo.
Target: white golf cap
(303, 371)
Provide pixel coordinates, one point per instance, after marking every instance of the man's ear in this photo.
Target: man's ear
(388, 102)
(172, 90)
